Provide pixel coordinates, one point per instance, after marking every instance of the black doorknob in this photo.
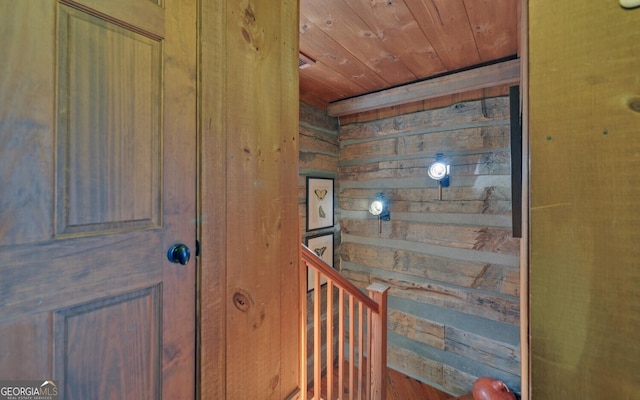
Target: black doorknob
(179, 254)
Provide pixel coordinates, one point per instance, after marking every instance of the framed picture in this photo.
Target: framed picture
(322, 245)
(319, 203)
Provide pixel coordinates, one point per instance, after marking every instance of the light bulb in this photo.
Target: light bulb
(376, 207)
(438, 170)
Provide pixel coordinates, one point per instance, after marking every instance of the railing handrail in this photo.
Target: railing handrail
(312, 260)
(352, 304)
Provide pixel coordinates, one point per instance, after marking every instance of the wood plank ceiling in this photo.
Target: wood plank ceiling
(358, 47)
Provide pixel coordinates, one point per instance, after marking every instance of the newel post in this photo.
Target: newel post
(378, 342)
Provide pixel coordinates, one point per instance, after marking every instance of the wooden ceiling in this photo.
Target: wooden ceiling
(364, 46)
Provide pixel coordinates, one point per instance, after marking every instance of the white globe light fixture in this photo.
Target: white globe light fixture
(439, 171)
(380, 209)
(376, 207)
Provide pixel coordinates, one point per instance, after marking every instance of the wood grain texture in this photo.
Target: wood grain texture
(400, 32)
(357, 38)
(26, 121)
(418, 329)
(315, 118)
(492, 36)
(179, 198)
(497, 240)
(355, 311)
(26, 335)
(455, 255)
(329, 53)
(425, 144)
(378, 334)
(319, 157)
(494, 162)
(136, 14)
(442, 20)
(429, 104)
(477, 112)
(121, 282)
(477, 303)
(457, 381)
(402, 387)
(108, 163)
(212, 183)
(253, 351)
(489, 352)
(475, 275)
(399, 387)
(125, 331)
(584, 274)
(506, 72)
(411, 363)
(365, 47)
(494, 199)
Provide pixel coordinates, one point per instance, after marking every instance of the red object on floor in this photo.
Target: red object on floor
(490, 389)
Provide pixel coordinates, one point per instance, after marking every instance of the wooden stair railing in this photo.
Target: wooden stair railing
(361, 329)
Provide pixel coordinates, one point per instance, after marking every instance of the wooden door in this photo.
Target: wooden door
(97, 181)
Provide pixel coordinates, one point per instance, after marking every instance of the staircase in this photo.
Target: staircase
(341, 328)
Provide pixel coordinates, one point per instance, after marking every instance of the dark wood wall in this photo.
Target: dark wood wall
(452, 264)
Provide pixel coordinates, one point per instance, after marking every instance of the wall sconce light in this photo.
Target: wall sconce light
(380, 208)
(439, 170)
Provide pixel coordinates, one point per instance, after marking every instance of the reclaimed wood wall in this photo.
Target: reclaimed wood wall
(319, 152)
(584, 107)
(452, 264)
(318, 157)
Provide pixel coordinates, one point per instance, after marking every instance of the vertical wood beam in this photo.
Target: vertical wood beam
(341, 338)
(317, 335)
(378, 346)
(302, 288)
(248, 85)
(352, 347)
(330, 336)
(212, 201)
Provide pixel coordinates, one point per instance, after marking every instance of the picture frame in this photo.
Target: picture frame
(321, 245)
(319, 203)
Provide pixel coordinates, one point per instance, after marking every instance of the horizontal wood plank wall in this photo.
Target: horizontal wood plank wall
(452, 265)
(318, 158)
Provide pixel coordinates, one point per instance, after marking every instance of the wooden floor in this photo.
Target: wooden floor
(399, 387)
(402, 387)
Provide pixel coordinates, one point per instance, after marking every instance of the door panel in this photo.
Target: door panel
(97, 178)
(27, 335)
(123, 331)
(109, 120)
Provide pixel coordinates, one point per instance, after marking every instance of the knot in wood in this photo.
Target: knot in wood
(242, 301)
